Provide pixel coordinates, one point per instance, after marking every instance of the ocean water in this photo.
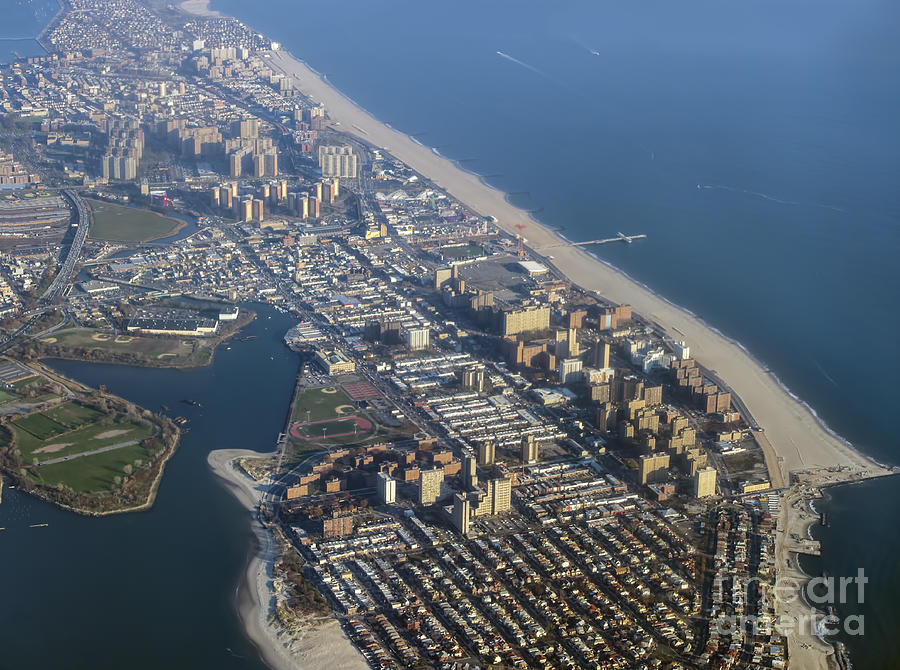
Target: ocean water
(22, 21)
(151, 589)
(756, 144)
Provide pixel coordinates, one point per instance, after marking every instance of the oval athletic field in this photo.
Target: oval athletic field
(344, 426)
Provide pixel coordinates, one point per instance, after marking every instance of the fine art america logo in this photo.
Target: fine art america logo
(802, 606)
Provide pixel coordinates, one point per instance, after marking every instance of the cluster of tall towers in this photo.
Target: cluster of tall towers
(253, 206)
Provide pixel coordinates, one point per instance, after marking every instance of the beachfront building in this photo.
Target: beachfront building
(417, 338)
(525, 320)
(530, 451)
(654, 468)
(338, 161)
(499, 493)
(461, 513)
(570, 370)
(486, 453)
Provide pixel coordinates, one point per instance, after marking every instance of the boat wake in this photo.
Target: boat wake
(584, 46)
(522, 63)
(825, 374)
(765, 196)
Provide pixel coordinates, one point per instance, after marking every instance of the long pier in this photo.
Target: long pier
(620, 237)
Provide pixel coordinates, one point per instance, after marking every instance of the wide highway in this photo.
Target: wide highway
(82, 220)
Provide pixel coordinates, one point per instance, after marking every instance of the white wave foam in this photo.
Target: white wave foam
(764, 367)
(818, 419)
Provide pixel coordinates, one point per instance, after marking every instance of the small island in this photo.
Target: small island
(83, 449)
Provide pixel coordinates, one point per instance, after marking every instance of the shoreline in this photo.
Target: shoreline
(563, 240)
(198, 8)
(801, 439)
(42, 36)
(799, 515)
(806, 649)
(317, 647)
(116, 361)
(40, 492)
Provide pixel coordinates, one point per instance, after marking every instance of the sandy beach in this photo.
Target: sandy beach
(792, 438)
(798, 438)
(198, 8)
(806, 650)
(324, 644)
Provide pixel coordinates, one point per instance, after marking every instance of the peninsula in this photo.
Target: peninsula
(499, 450)
(85, 450)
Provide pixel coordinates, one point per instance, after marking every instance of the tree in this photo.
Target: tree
(151, 444)
(127, 469)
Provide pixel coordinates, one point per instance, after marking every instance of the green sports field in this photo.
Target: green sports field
(60, 444)
(96, 473)
(322, 403)
(159, 351)
(129, 224)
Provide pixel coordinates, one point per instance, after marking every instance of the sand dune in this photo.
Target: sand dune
(324, 645)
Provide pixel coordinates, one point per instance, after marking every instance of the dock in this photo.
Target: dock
(620, 237)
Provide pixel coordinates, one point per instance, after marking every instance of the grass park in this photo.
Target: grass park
(117, 223)
(79, 446)
(156, 351)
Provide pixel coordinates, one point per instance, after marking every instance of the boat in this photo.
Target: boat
(39, 525)
(595, 52)
(165, 408)
(248, 338)
(195, 403)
